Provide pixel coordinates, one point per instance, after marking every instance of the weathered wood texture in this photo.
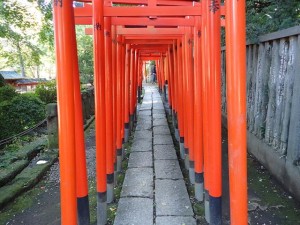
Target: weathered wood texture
(273, 92)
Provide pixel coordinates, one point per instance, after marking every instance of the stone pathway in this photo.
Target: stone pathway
(153, 191)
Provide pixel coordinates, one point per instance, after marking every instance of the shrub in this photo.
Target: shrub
(47, 92)
(19, 114)
(2, 81)
(7, 93)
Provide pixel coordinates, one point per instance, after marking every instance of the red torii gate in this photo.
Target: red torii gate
(119, 48)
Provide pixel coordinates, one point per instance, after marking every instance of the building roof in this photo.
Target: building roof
(10, 75)
(30, 81)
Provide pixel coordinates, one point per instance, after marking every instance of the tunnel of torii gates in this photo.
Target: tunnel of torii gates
(183, 37)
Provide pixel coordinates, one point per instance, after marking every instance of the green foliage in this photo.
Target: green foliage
(7, 93)
(22, 25)
(2, 81)
(47, 92)
(265, 16)
(85, 55)
(19, 114)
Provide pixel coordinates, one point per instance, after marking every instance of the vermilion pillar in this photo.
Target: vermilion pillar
(123, 55)
(176, 91)
(83, 213)
(114, 86)
(236, 109)
(186, 98)
(127, 91)
(109, 109)
(100, 115)
(205, 53)
(119, 100)
(198, 112)
(180, 98)
(214, 107)
(190, 93)
(131, 88)
(64, 32)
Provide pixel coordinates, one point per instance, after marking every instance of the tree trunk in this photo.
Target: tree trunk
(22, 64)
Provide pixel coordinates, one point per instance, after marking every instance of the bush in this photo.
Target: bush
(2, 81)
(19, 114)
(7, 93)
(47, 92)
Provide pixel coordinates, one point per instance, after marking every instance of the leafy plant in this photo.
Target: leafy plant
(85, 55)
(2, 81)
(7, 93)
(265, 16)
(47, 92)
(19, 114)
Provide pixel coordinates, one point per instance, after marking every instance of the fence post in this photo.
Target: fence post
(52, 125)
(293, 151)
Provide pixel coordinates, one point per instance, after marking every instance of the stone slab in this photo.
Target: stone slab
(141, 120)
(142, 144)
(157, 100)
(161, 130)
(138, 183)
(162, 139)
(159, 108)
(143, 117)
(159, 111)
(175, 220)
(143, 126)
(172, 199)
(160, 122)
(147, 103)
(143, 134)
(140, 159)
(164, 152)
(145, 113)
(167, 169)
(159, 116)
(134, 211)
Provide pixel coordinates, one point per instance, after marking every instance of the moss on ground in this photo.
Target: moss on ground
(26, 179)
(279, 202)
(20, 204)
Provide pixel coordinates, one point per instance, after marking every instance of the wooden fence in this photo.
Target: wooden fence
(273, 104)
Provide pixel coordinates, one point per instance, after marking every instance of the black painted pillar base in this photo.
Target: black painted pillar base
(131, 119)
(126, 135)
(186, 158)
(192, 172)
(215, 208)
(199, 185)
(83, 210)
(181, 144)
(110, 187)
(119, 159)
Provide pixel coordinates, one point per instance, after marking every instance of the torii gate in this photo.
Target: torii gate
(186, 36)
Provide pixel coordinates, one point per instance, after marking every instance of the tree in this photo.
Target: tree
(22, 25)
(265, 16)
(85, 55)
